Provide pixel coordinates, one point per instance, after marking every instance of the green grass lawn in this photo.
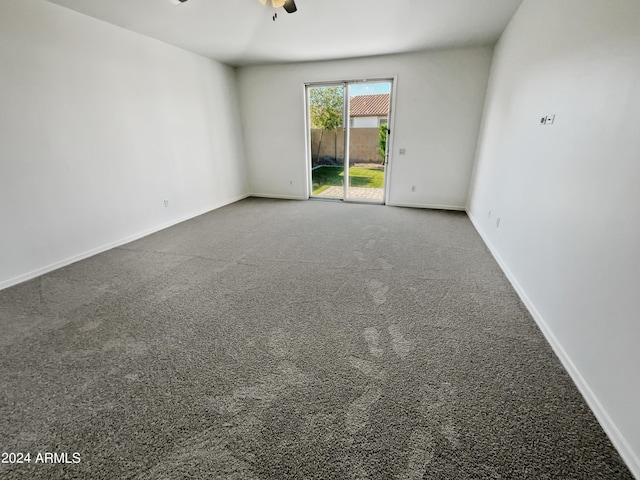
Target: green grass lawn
(324, 177)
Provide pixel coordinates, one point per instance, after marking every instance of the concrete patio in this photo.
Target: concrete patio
(357, 193)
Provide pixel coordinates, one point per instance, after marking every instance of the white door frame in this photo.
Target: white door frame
(393, 80)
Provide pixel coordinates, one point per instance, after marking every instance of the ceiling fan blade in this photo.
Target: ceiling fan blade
(290, 6)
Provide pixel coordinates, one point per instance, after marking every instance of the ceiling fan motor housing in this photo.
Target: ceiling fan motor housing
(288, 5)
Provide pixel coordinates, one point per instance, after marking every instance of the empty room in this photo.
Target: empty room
(302, 239)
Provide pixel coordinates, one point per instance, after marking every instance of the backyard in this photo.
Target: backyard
(327, 176)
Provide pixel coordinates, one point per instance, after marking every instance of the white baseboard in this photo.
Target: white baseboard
(617, 439)
(461, 208)
(283, 197)
(410, 205)
(103, 248)
(428, 205)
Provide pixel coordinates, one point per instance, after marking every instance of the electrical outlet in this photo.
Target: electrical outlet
(290, 182)
(166, 203)
(489, 214)
(403, 151)
(413, 188)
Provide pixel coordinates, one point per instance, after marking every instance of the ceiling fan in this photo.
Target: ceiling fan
(288, 5)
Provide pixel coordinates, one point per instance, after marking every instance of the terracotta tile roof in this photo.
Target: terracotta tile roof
(369, 105)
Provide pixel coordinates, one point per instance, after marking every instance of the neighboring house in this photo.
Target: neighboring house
(369, 111)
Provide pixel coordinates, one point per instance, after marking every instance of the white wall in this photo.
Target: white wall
(438, 110)
(568, 194)
(98, 126)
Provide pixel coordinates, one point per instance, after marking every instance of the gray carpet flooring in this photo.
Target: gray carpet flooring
(278, 339)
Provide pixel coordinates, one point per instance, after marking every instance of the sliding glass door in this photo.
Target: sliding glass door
(347, 139)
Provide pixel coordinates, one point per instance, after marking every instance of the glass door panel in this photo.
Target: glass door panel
(327, 140)
(369, 108)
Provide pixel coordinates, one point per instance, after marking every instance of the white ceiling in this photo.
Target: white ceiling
(241, 32)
